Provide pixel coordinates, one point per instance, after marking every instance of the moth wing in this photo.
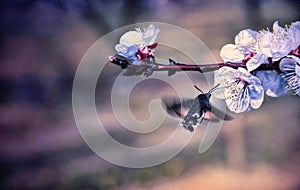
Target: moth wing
(209, 116)
(192, 112)
(177, 107)
(215, 115)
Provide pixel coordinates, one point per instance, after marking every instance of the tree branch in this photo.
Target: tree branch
(148, 67)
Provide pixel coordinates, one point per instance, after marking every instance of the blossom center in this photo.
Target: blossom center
(144, 52)
(242, 81)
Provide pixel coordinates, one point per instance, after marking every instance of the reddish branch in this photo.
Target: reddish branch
(173, 67)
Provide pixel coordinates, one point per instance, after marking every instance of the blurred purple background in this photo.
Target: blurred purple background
(42, 43)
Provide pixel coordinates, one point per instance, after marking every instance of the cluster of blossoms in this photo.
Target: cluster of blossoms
(258, 63)
(137, 46)
(244, 88)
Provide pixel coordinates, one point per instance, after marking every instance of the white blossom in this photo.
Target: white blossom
(276, 45)
(239, 88)
(136, 41)
(290, 66)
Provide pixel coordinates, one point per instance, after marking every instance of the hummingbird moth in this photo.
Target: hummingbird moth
(194, 111)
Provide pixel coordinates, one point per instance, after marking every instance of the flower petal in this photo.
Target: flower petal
(218, 80)
(272, 82)
(256, 61)
(219, 93)
(128, 52)
(131, 38)
(263, 45)
(257, 95)
(150, 34)
(225, 76)
(297, 70)
(120, 48)
(246, 40)
(287, 65)
(244, 72)
(237, 100)
(231, 53)
(294, 32)
(281, 43)
(290, 66)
